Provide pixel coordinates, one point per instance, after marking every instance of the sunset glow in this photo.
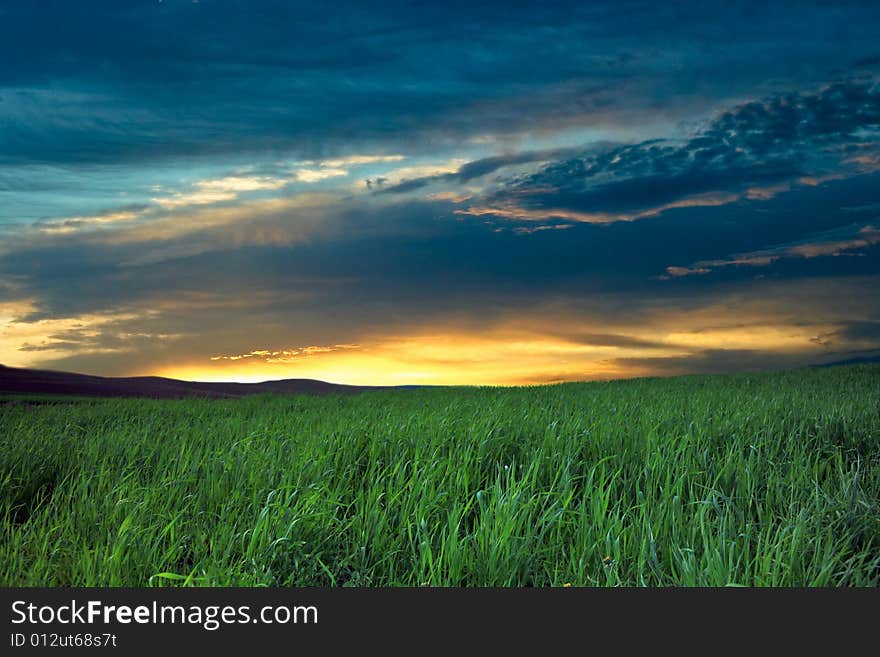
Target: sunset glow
(438, 196)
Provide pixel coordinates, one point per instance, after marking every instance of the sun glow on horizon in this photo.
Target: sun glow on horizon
(547, 345)
(468, 359)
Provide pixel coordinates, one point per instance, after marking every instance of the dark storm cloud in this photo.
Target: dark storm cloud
(753, 145)
(104, 81)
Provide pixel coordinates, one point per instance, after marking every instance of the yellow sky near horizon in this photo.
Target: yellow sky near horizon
(543, 347)
(502, 357)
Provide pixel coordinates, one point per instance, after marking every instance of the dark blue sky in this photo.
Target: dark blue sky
(443, 192)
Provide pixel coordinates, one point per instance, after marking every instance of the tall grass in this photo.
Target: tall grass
(757, 479)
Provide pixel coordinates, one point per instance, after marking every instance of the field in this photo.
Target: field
(750, 479)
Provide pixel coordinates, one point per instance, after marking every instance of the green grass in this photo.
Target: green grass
(756, 479)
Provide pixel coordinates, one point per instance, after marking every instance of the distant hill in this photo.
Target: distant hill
(16, 380)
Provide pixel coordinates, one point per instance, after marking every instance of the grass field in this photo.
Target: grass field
(751, 479)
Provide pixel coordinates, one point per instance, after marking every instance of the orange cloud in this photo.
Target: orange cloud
(512, 211)
(285, 355)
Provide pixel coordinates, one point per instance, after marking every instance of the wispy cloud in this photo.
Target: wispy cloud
(27, 340)
(403, 179)
(206, 192)
(73, 224)
(316, 175)
(316, 171)
(286, 355)
(844, 241)
(510, 210)
(408, 180)
(360, 160)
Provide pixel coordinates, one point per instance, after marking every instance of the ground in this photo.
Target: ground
(746, 479)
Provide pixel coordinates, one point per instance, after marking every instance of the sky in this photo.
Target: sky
(438, 193)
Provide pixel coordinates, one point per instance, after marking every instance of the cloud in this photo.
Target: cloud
(151, 82)
(713, 361)
(288, 355)
(521, 340)
(316, 175)
(339, 167)
(25, 339)
(150, 236)
(207, 192)
(853, 336)
(555, 343)
(511, 210)
(839, 242)
(407, 179)
(360, 160)
(380, 263)
(754, 150)
(469, 171)
(102, 220)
